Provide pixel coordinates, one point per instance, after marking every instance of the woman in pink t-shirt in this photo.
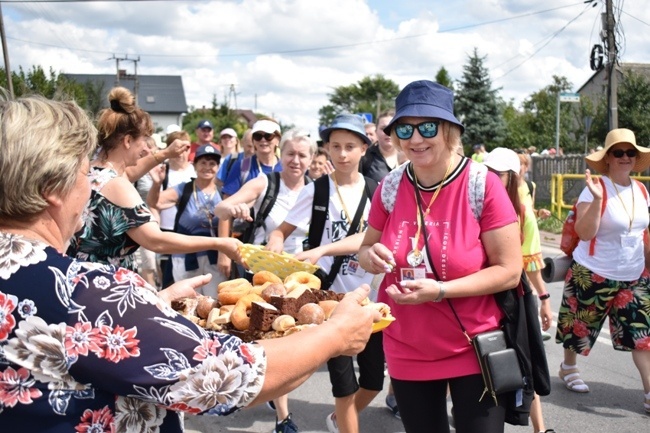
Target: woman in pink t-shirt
(443, 221)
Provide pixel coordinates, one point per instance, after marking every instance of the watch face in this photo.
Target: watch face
(414, 258)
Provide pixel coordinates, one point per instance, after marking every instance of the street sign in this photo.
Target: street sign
(367, 117)
(569, 97)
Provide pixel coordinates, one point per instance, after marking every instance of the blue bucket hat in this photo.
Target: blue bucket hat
(349, 122)
(425, 99)
(207, 151)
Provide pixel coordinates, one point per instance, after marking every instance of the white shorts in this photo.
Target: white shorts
(147, 260)
(210, 289)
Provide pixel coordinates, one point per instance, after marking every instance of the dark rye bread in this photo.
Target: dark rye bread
(291, 305)
(262, 316)
(328, 295)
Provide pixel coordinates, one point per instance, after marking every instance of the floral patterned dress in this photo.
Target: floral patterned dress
(86, 347)
(103, 237)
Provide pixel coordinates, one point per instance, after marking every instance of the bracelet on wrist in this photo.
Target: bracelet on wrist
(441, 292)
(544, 296)
(157, 158)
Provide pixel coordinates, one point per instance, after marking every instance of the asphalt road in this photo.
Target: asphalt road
(615, 403)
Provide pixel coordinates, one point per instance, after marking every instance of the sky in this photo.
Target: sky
(284, 57)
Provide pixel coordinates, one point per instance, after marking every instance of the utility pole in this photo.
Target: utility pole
(136, 81)
(612, 57)
(10, 84)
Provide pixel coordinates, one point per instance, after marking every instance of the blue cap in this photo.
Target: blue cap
(348, 122)
(205, 124)
(207, 151)
(425, 99)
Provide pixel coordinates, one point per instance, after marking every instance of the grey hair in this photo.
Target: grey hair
(298, 135)
(43, 144)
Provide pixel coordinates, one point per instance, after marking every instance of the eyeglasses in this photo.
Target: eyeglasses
(265, 135)
(631, 153)
(429, 129)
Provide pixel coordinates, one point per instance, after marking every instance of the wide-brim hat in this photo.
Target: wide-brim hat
(596, 161)
(348, 122)
(425, 99)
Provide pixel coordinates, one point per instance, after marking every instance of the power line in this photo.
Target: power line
(294, 51)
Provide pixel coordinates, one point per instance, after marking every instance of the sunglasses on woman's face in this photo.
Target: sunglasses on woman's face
(258, 136)
(429, 129)
(631, 153)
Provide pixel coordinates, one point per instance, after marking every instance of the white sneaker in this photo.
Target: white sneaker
(332, 426)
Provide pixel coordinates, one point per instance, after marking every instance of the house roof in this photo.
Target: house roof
(156, 93)
(637, 68)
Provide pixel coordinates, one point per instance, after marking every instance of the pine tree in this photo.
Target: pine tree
(477, 105)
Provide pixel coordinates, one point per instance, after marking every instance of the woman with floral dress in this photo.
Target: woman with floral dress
(116, 220)
(608, 275)
(91, 347)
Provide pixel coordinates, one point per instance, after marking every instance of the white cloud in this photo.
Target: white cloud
(285, 56)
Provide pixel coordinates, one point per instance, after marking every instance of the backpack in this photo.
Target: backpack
(570, 239)
(319, 213)
(272, 191)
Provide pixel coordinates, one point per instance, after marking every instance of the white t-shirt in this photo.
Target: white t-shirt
(351, 275)
(285, 200)
(168, 216)
(618, 255)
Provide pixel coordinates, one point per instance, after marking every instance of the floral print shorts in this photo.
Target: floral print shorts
(589, 298)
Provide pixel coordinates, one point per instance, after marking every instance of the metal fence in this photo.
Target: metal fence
(544, 167)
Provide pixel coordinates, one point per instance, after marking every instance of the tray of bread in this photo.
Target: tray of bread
(269, 307)
(257, 259)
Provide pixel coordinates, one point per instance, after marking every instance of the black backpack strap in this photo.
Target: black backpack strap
(182, 202)
(531, 188)
(319, 209)
(354, 228)
(272, 190)
(165, 181)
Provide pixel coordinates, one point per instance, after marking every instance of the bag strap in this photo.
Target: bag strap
(165, 181)
(182, 203)
(354, 228)
(319, 208)
(272, 190)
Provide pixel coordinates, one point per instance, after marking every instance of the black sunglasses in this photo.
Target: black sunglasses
(631, 153)
(429, 129)
(258, 136)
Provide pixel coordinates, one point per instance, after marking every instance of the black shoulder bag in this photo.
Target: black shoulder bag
(499, 364)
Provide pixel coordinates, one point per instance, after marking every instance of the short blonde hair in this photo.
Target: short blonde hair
(42, 147)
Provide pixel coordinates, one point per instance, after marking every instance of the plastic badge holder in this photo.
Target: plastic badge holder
(257, 259)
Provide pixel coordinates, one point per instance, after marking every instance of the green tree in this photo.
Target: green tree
(36, 81)
(477, 105)
(540, 117)
(634, 106)
(443, 77)
(370, 95)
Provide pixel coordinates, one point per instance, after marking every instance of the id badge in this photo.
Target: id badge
(412, 273)
(355, 269)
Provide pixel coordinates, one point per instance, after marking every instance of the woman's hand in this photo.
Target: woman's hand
(311, 256)
(595, 187)
(378, 259)
(328, 167)
(231, 247)
(275, 244)
(184, 289)
(543, 213)
(411, 292)
(158, 173)
(354, 321)
(236, 210)
(175, 149)
(545, 314)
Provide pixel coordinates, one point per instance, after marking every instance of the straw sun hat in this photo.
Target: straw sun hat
(596, 161)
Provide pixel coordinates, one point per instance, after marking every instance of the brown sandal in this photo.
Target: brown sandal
(572, 380)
